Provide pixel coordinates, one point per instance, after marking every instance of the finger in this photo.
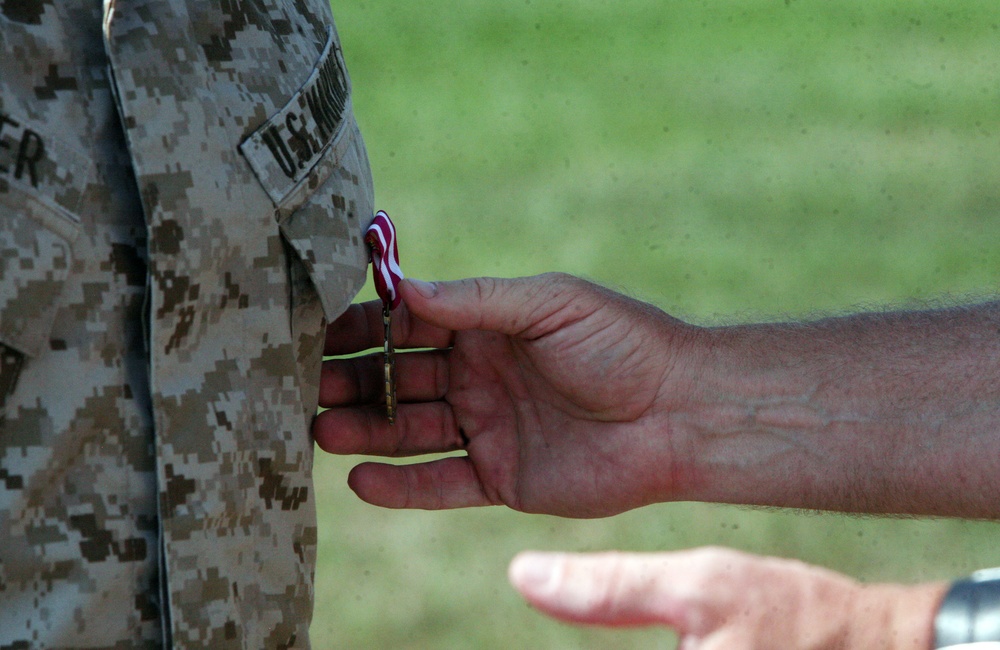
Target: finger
(604, 588)
(526, 307)
(419, 429)
(361, 328)
(420, 377)
(437, 485)
(355, 330)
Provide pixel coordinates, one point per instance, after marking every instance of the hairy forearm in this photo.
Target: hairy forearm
(888, 413)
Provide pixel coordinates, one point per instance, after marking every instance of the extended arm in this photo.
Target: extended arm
(572, 399)
(878, 413)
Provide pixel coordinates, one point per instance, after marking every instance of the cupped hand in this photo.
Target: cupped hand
(559, 392)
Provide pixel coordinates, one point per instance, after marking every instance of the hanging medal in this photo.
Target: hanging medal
(381, 240)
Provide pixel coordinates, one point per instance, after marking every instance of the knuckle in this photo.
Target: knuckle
(486, 288)
(613, 585)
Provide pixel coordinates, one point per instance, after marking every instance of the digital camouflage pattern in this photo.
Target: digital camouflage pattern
(183, 195)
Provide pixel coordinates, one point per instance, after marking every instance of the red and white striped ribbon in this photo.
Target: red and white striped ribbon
(381, 237)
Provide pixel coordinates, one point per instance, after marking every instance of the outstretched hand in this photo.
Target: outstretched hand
(557, 389)
(718, 599)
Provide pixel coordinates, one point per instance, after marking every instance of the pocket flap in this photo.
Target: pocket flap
(326, 231)
(35, 257)
(285, 149)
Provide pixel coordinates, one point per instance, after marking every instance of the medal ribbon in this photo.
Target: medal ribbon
(381, 238)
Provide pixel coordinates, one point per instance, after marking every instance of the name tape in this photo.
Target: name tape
(286, 147)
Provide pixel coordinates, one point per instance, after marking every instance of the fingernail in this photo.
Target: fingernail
(534, 571)
(425, 289)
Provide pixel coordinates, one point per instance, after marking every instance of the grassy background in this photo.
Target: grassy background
(727, 160)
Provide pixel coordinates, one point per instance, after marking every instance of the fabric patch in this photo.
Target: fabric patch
(285, 149)
(35, 162)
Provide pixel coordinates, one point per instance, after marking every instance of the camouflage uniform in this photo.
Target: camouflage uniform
(183, 192)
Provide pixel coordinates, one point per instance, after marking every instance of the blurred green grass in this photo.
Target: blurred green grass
(726, 160)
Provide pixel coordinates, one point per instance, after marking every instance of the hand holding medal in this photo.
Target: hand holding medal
(381, 239)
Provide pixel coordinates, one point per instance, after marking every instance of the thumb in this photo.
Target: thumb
(524, 307)
(612, 589)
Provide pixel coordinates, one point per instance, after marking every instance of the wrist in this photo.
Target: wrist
(673, 448)
(752, 424)
(896, 617)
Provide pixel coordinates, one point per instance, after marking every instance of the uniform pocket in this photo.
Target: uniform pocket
(327, 230)
(310, 159)
(35, 259)
(327, 267)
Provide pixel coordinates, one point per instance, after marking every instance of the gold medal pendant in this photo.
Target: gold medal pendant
(381, 239)
(389, 360)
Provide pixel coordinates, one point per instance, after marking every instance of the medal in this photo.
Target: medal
(381, 239)
(389, 366)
